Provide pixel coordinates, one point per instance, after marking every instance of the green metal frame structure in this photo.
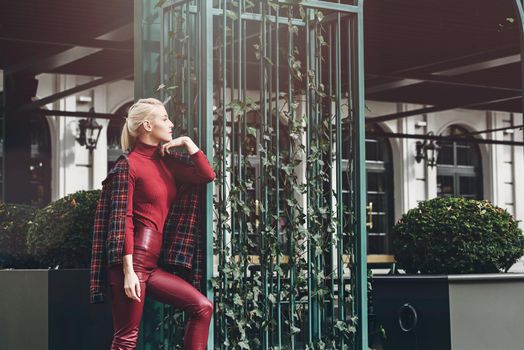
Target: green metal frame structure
(306, 289)
(274, 130)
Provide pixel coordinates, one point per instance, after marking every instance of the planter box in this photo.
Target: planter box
(455, 312)
(50, 309)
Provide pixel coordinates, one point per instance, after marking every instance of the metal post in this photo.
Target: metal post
(361, 233)
(206, 120)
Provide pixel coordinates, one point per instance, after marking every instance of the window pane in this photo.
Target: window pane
(372, 150)
(445, 186)
(379, 195)
(376, 244)
(468, 186)
(464, 156)
(445, 155)
(373, 181)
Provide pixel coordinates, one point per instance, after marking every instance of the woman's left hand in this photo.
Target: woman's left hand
(178, 142)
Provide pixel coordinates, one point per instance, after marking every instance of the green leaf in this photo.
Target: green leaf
(294, 330)
(232, 15)
(230, 313)
(268, 60)
(238, 300)
(272, 298)
(243, 344)
(257, 50)
(251, 131)
(319, 15)
(302, 12)
(274, 5)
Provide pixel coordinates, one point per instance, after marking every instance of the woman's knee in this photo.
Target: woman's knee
(203, 309)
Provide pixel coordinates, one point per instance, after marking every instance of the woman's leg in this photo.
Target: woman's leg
(172, 289)
(126, 311)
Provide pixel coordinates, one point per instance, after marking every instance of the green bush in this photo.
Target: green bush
(14, 221)
(61, 232)
(455, 235)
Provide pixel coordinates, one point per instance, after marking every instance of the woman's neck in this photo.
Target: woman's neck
(146, 149)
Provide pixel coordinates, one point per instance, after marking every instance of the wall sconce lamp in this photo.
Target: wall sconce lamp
(88, 131)
(427, 150)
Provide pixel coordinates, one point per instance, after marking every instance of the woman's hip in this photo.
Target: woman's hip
(146, 252)
(147, 245)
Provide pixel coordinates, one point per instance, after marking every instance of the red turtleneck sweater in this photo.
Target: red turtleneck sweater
(152, 186)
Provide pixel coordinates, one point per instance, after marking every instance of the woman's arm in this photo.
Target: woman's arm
(129, 236)
(131, 281)
(200, 173)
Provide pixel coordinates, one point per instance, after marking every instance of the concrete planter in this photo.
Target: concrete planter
(451, 312)
(50, 309)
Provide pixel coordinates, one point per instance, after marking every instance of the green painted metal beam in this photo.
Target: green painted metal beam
(361, 237)
(206, 122)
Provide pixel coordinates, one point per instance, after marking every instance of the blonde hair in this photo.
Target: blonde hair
(139, 112)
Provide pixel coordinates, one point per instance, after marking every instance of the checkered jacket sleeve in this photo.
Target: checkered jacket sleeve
(184, 231)
(198, 266)
(109, 228)
(98, 251)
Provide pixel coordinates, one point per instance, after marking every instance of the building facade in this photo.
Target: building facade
(396, 181)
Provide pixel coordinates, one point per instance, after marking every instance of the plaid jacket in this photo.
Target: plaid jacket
(181, 247)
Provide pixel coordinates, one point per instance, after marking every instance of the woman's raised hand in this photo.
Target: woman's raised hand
(178, 142)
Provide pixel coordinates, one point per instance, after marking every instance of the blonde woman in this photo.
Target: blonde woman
(152, 181)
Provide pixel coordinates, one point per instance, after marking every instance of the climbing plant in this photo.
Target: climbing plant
(283, 237)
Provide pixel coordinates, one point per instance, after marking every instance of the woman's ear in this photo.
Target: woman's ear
(147, 125)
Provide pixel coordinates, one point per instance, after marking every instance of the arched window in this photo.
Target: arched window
(114, 130)
(459, 166)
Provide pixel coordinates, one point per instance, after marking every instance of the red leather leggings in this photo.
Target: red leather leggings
(160, 285)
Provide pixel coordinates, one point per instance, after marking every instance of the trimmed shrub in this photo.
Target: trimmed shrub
(14, 222)
(61, 232)
(450, 235)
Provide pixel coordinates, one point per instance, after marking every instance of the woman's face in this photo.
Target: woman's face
(160, 126)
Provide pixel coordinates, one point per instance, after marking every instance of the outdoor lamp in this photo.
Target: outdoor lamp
(427, 150)
(89, 131)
